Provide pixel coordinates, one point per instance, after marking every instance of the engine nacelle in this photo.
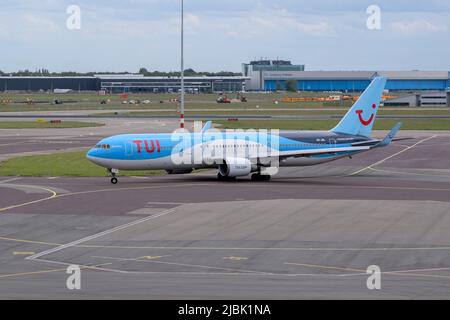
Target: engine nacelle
(235, 167)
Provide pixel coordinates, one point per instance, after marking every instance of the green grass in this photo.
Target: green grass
(167, 106)
(46, 124)
(262, 111)
(61, 164)
(380, 124)
(91, 101)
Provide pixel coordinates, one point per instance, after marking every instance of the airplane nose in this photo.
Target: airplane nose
(91, 154)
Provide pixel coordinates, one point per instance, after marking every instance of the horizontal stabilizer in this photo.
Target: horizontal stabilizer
(390, 136)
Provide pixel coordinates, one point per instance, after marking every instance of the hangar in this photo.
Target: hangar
(123, 83)
(270, 76)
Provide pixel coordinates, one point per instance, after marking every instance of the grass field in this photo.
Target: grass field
(10, 102)
(263, 111)
(380, 124)
(46, 125)
(91, 101)
(61, 164)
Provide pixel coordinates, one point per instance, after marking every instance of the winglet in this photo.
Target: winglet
(207, 126)
(388, 139)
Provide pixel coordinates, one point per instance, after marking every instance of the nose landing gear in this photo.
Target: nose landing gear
(113, 173)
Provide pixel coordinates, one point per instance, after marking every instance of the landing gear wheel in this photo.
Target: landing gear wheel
(260, 177)
(113, 173)
(221, 177)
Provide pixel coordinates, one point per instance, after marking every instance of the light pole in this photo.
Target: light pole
(182, 68)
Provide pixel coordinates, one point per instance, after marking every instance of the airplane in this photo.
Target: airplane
(240, 154)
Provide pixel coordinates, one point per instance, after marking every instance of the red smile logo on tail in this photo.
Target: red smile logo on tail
(363, 121)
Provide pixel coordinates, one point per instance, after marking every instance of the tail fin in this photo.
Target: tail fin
(207, 126)
(361, 116)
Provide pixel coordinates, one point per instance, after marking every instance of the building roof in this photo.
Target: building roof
(356, 75)
(41, 77)
(129, 77)
(415, 74)
(319, 75)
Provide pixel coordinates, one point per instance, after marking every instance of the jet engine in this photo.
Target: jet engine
(235, 167)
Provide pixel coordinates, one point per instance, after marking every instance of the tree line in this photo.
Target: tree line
(46, 73)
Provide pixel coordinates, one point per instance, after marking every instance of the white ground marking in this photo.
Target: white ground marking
(98, 235)
(391, 156)
(183, 264)
(410, 173)
(10, 180)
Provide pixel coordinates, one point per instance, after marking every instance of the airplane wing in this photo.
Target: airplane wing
(401, 139)
(308, 152)
(300, 153)
(366, 143)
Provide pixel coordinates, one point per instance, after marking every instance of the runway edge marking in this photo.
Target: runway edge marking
(97, 235)
(391, 156)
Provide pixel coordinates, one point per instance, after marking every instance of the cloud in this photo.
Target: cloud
(38, 24)
(264, 21)
(222, 34)
(317, 29)
(27, 26)
(417, 27)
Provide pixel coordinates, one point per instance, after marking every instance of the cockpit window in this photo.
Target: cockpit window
(102, 146)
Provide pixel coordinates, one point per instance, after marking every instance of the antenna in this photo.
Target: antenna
(182, 67)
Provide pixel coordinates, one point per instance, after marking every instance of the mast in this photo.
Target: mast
(182, 68)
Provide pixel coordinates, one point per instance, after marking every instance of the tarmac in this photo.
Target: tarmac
(309, 233)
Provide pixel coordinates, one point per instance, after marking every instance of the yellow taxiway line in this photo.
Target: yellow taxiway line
(52, 192)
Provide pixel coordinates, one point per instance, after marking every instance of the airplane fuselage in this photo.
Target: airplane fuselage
(155, 151)
(239, 153)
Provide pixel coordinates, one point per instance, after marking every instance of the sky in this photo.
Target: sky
(124, 35)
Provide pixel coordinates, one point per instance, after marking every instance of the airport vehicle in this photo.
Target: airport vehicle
(223, 99)
(241, 97)
(242, 153)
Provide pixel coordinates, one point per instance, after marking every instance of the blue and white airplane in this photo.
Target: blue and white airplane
(242, 153)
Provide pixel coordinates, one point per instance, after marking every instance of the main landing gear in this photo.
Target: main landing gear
(113, 172)
(260, 177)
(255, 177)
(224, 178)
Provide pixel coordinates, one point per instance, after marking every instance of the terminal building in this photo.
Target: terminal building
(266, 75)
(262, 75)
(134, 83)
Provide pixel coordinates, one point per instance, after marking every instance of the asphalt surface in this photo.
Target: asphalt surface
(310, 232)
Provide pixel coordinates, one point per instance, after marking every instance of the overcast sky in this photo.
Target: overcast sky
(124, 35)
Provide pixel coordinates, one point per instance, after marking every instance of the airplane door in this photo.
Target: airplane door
(332, 142)
(128, 148)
